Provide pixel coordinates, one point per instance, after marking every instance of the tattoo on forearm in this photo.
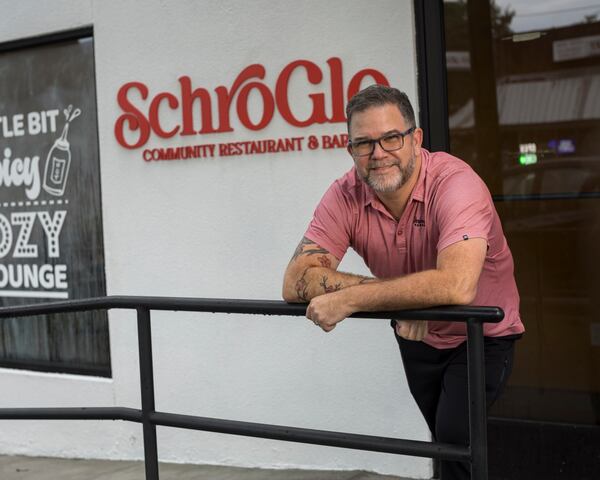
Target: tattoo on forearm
(303, 285)
(330, 288)
(313, 249)
(324, 261)
(302, 288)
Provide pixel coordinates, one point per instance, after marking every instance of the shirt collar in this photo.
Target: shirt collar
(418, 192)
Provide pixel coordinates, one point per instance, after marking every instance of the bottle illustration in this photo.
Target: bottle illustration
(59, 158)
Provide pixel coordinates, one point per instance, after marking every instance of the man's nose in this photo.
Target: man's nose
(378, 151)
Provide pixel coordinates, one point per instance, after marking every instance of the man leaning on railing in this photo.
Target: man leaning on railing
(426, 227)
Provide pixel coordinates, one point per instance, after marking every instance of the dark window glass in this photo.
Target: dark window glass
(51, 244)
(524, 111)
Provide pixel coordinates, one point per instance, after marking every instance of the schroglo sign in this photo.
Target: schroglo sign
(141, 118)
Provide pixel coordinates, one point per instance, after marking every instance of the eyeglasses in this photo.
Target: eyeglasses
(389, 142)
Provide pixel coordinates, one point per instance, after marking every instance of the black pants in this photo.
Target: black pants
(438, 382)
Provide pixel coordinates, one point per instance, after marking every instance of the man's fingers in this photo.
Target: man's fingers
(411, 329)
(404, 328)
(314, 317)
(422, 330)
(309, 311)
(326, 312)
(401, 328)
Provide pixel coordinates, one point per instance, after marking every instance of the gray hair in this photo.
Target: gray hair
(378, 95)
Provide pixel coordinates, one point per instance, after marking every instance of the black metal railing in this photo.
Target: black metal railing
(475, 453)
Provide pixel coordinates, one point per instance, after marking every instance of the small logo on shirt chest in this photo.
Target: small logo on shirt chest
(419, 222)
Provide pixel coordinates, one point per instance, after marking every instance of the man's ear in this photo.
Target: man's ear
(417, 139)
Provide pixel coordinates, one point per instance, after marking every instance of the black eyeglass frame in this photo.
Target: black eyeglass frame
(378, 140)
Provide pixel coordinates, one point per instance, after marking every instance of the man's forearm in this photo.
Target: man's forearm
(454, 281)
(418, 290)
(315, 281)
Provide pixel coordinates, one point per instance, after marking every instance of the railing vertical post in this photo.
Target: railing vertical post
(147, 391)
(477, 402)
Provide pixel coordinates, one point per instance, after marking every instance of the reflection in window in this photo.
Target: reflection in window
(524, 112)
(545, 88)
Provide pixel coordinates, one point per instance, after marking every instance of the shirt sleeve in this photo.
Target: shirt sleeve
(463, 209)
(330, 226)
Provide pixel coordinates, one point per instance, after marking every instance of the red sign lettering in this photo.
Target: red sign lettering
(134, 126)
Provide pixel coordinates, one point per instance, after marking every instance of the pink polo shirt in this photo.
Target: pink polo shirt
(449, 204)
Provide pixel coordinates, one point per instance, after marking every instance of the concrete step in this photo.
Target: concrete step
(42, 468)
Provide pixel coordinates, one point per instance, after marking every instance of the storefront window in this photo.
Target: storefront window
(524, 111)
(51, 244)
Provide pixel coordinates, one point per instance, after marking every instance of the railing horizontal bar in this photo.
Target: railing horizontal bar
(273, 432)
(315, 437)
(83, 413)
(260, 307)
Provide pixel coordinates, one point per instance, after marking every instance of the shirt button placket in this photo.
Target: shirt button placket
(400, 239)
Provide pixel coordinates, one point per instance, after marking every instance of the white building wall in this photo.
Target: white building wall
(224, 227)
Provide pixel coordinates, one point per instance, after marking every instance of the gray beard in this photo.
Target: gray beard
(387, 186)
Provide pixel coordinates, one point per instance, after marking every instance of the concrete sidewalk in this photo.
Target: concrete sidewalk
(40, 468)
